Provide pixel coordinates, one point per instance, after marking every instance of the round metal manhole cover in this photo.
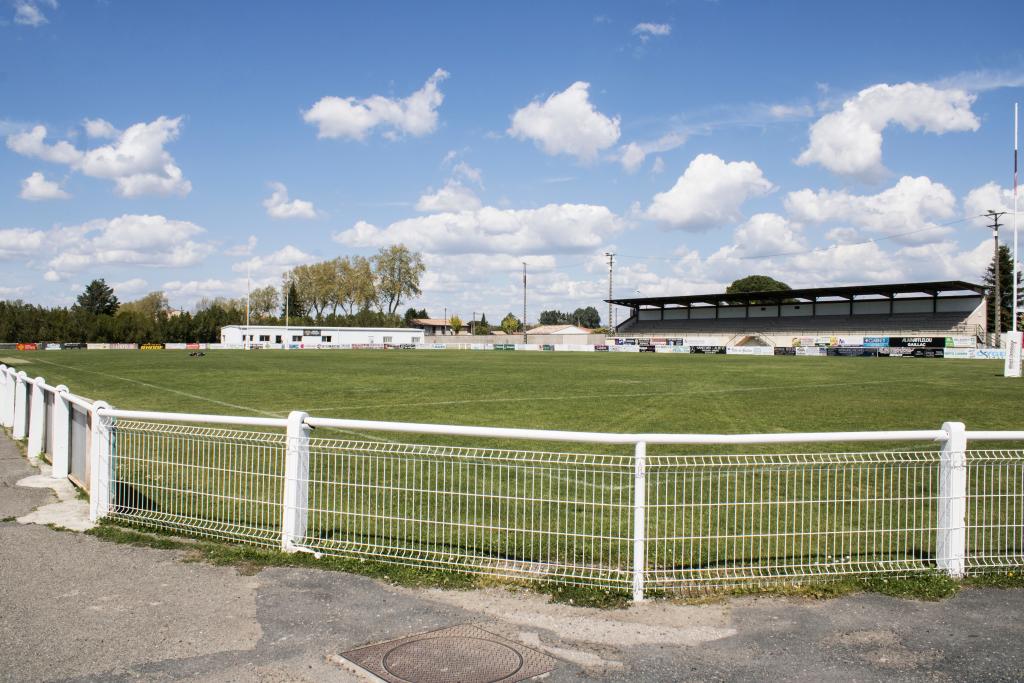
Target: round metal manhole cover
(452, 659)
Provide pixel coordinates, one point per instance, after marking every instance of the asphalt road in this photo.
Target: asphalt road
(78, 609)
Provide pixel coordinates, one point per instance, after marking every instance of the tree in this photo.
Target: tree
(397, 273)
(551, 317)
(1005, 290)
(455, 322)
(510, 324)
(482, 326)
(316, 284)
(263, 302)
(586, 317)
(757, 283)
(151, 306)
(294, 304)
(98, 299)
(357, 290)
(412, 314)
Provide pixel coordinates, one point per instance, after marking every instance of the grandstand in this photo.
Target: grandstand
(783, 318)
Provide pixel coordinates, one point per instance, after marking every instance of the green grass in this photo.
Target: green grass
(369, 498)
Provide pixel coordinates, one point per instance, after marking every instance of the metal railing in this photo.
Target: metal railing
(645, 519)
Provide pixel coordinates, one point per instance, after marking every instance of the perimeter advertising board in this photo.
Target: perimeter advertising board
(708, 349)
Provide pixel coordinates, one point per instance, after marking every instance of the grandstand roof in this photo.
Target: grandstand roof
(813, 294)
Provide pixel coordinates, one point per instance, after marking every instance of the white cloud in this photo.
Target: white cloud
(33, 144)
(708, 194)
(658, 166)
(137, 161)
(566, 123)
(905, 211)
(278, 205)
(100, 128)
(348, 117)
(633, 154)
(189, 291)
(268, 269)
(30, 13)
(36, 187)
(988, 197)
(849, 141)
(140, 240)
(788, 111)
(464, 170)
(20, 242)
(131, 287)
(551, 228)
(646, 30)
(243, 249)
(766, 234)
(454, 196)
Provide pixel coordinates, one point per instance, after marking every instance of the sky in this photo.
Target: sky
(183, 146)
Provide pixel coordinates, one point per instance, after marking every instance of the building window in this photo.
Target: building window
(296, 337)
(387, 340)
(415, 340)
(277, 339)
(265, 337)
(326, 339)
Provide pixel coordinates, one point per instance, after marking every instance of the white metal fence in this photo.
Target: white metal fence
(645, 520)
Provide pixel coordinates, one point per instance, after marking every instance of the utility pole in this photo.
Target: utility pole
(997, 314)
(1016, 253)
(611, 261)
(524, 302)
(472, 325)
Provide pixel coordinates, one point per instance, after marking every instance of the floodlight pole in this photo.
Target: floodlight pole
(1016, 253)
(997, 314)
(247, 293)
(524, 302)
(287, 296)
(611, 261)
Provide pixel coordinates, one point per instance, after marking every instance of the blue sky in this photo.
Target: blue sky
(176, 146)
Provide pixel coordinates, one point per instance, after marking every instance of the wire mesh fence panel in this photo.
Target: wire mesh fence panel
(78, 445)
(213, 482)
(995, 509)
(721, 520)
(48, 425)
(518, 514)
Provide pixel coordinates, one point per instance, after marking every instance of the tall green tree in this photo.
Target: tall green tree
(586, 317)
(1005, 290)
(510, 324)
(397, 272)
(98, 298)
(482, 326)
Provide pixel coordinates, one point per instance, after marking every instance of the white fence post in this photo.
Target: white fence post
(100, 464)
(639, 520)
(951, 543)
(61, 433)
(296, 481)
(37, 419)
(6, 395)
(20, 406)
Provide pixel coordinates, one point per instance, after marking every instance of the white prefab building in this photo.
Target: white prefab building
(299, 337)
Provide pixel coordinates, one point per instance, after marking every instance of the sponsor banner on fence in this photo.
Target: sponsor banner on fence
(175, 346)
(659, 342)
(52, 346)
(504, 347)
(803, 341)
(8, 346)
(749, 351)
(547, 347)
(960, 354)
(809, 351)
(27, 346)
(990, 354)
(784, 351)
(192, 346)
(852, 351)
(917, 342)
(676, 342)
(97, 346)
(600, 347)
(908, 352)
(123, 347)
(876, 342)
(151, 347)
(962, 342)
(707, 349)
(631, 348)
(526, 347)
(73, 346)
(647, 348)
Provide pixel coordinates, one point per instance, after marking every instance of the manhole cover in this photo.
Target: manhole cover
(460, 654)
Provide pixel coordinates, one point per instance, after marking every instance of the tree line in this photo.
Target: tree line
(347, 291)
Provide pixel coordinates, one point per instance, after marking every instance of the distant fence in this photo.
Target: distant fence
(645, 520)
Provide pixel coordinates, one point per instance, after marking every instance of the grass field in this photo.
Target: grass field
(556, 514)
(570, 391)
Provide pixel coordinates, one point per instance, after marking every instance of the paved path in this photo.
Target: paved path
(75, 608)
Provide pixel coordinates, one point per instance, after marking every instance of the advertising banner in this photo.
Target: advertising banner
(547, 347)
(876, 342)
(97, 346)
(504, 347)
(962, 342)
(852, 351)
(990, 354)
(803, 341)
(28, 346)
(960, 354)
(809, 351)
(52, 347)
(659, 342)
(708, 349)
(73, 346)
(749, 351)
(175, 346)
(526, 347)
(676, 342)
(641, 341)
(124, 347)
(784, 351)
(649, 348)
(600, 347)
(625, 349)
(917, 342)
(1013, 353)
(908, 352)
